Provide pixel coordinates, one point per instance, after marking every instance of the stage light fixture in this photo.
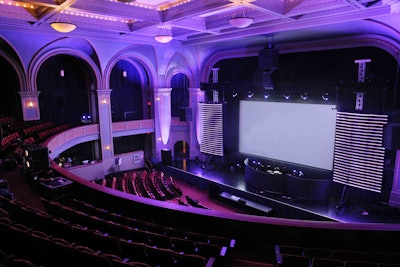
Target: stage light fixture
(287, 96)
(325, 96)
(250, 94)
(304, 96)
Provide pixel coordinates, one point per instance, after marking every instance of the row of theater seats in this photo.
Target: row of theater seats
(141, 231)
(35, 129)
(11, 260)
(103, 237)
(300, 256)
(150, 184)
(21, 134)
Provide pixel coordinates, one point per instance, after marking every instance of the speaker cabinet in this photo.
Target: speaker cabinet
(268, 59)
(166, 157)
(391, 136)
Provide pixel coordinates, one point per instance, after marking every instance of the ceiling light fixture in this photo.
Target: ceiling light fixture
(164, 36)
(62, 26)
(126, 1)
(241, 21)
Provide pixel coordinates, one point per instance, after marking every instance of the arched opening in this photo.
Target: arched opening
(126, 82)
(179, 96)
(65, 87)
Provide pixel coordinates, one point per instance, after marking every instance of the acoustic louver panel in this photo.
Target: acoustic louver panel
(359, 153)
(211, 125)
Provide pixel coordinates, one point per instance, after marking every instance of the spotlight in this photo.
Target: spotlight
(235, 94)
(325, 97)
(266, 95)
(250, 94)
(286, 96)
(304, 96)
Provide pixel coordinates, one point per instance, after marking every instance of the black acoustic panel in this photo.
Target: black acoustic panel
(185, 114)
(391, 136)
(38, 157)
(268, 59)
(166, 157)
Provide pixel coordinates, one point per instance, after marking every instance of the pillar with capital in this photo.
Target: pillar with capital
(162, 118)
(30, 105)
(105, 122)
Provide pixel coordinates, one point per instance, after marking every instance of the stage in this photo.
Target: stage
(344, 204)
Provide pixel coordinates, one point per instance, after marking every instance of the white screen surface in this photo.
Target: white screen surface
(292, 132)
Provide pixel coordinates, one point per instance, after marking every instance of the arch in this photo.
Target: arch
(38, 61)
(181, 150)
(137, 59)
(178, 64)
(378, 41)
(11, 56)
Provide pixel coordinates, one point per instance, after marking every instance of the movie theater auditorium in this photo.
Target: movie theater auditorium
(117, 108)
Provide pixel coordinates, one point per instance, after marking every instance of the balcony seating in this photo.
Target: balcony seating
(209, 250)
(159, 240)
(117, 236)
(135, 251)
(160, 256)
(182, 245)
(185, 260)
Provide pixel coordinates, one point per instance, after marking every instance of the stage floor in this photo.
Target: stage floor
(352, 210)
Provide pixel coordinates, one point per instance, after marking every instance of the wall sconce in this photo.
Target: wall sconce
(104, 101)
(124, 74)
(30, 104)
(159, 139)
(108, 147)
(158, 98)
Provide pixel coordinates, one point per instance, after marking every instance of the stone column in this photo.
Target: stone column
(105, 123)
(162, 119)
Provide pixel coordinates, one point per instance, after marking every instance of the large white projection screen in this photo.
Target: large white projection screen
(292, 132)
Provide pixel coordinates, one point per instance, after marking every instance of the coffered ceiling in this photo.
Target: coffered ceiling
(195, 22)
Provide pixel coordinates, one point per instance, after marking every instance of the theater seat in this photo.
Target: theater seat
(326, 262)
(351, 263)
(290, 260)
